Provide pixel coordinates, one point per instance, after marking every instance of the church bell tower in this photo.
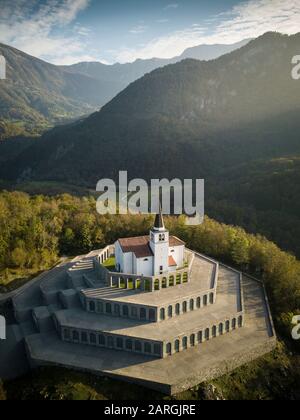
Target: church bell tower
(159, 243)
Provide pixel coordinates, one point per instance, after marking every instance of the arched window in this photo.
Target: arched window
(110, 342)
(200, 337)
(184, 307)
(100, 307)
(92, 307)
(177, 309)
(75, 335)
(184, 343)
(143, 313)
(138, 346)
(128, 344)
(147, 348)
(170, 311)
(192, 304)
(119, 343)
(162, 314)
(117, 309)
(205, 300)
(125, 311)
(101, 340)
(240, 321)
(192, 340)
(198, 302)
(233, 324)
(108, 308)
(177, 346)
(214, 331)
(207, 334)
(211, 298)
(221, 329)
(227, 326)
(93, 338)
(169, 349)
(152, 315)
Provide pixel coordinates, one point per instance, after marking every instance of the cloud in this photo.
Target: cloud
(247, 20)
(41, 29)
(171, 6)
(140, 29)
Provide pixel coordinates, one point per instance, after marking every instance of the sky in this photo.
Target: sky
(110, 31)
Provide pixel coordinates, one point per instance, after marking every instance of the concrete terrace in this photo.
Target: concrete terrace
(202, 280)
(176, 373)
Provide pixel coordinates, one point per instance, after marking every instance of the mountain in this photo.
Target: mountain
(123, 74)
(232, 121)
(37, 95)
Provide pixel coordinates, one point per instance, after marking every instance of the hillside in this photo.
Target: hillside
(37, 95)
(221, 120)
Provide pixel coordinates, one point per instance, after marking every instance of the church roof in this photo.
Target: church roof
(140, 245)
(172, 262)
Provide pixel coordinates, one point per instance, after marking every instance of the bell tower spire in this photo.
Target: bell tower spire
(159, 243)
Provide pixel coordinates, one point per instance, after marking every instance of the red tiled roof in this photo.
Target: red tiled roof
(174, 241)
(140, 245)
(172, 262)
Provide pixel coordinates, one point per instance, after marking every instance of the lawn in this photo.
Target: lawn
(110, 264)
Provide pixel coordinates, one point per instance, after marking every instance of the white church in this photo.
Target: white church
(152, 255)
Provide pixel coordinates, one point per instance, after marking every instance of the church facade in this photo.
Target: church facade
(153, 255)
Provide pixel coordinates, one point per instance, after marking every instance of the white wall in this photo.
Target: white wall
(144, 267)
(124, 260)
(178, 254)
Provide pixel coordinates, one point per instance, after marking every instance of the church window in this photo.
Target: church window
(146, 259)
